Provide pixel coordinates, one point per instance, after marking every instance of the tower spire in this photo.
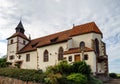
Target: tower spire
(20, 28)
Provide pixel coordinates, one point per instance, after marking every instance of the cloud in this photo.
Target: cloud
(3, 48)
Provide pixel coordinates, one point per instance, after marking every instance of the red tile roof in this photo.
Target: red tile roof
(61, 36)
(85, 28)
(18, 34)
(77, 50)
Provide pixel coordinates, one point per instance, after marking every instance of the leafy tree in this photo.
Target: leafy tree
(3, 62)
(113, 75)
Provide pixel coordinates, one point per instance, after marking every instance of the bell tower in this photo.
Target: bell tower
(20, 28)
(16, 42)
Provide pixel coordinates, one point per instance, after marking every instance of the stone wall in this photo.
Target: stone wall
(6, 80)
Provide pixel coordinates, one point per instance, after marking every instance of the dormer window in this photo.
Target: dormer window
(11, 41)
(54, 39)
(34, 44)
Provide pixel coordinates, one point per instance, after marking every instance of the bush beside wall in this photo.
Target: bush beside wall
(23, 74)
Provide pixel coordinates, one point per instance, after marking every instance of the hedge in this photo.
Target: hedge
(23, 74)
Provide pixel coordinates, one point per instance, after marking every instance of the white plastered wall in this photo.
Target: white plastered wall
(85, 37)
(20, 43)
(53, 54)
(32, 64)
(12, 49)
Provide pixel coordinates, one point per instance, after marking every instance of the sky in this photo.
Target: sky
(43, 17)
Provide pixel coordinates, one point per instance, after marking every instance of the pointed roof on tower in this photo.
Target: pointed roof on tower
(20, 28)
(20, 25)
(19, 31)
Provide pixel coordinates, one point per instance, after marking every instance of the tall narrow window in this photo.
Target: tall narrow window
(11, 41)
(82, 45)
(97, 46)
(45, 58)
(19, 57)
(86, 57)
(60, 53)
(27, 57)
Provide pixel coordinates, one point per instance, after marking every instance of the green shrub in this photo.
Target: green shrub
(23, 74)
(77, 78)
(17, 65)
(81, 67)
(113, 75)
(94, 80)
(118, 75)
(52, 69)
(51, 79)
(63, 80)
(3, 63)
(64, 67)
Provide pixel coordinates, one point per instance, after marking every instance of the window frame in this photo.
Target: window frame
(11, 41)
(46, 56)
(82, 45)
(70, 58)
(19, 57)
(60, 54)
(86, 57)
(97, 46)
(11, 57)
(27, 57)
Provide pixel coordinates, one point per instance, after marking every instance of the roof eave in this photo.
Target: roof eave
(78, 52)
(21, 52)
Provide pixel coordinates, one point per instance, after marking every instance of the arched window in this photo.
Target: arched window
(45, 58)
(82, 45)
(60, 53)
(97, 46)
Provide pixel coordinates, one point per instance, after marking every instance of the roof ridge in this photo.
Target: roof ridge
(51, 34)
(84, 24)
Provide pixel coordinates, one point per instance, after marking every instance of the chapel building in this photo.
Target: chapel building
(81, 42)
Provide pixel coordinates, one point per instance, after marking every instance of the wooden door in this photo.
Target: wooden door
(77, 58)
